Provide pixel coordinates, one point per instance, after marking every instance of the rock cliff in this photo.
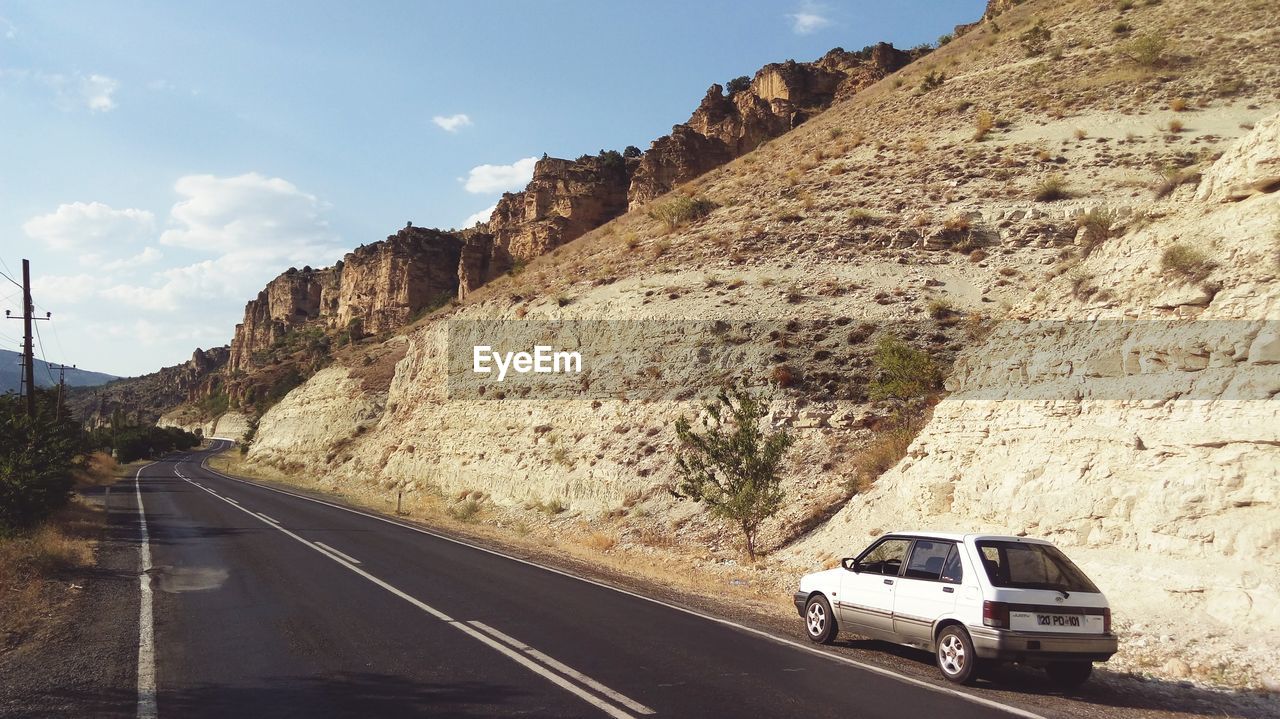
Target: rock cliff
(376, 288)
(564, 200)
(289, 301)
(383, 284)
(780, 97)
(143, 399)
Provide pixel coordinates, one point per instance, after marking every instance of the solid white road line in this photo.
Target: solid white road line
(146, 626)
(269, 519)
(529, 664)
(983, 701)
(622, 699)
(334, 551)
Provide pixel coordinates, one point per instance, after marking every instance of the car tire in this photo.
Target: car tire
(819, 622)
(956, 658)
(1069, 675)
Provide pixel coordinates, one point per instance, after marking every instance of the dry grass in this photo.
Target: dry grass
(599, 541)
(882, 452)
(37, 567)
(1187, 262)
(1051, 188)
(983, 124)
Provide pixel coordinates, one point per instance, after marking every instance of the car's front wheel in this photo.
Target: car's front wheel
(1069, 675)
(956, 659)
(819, 622)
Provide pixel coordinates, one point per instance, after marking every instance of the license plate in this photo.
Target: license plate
(1051, 622)
(1058, 621)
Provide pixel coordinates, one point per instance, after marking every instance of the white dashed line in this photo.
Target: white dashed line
(340, 554)
(542, 670)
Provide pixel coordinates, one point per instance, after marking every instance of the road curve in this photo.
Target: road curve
(263, 603)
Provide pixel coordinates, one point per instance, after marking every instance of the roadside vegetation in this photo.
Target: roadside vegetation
(47, 532)
(733, 466)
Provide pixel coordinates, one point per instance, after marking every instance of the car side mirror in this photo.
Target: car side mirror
(850, 563)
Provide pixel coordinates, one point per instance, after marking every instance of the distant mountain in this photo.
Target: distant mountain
(46, 376)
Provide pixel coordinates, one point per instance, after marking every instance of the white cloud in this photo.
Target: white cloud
(67, 289)
(452, 123)
(91, 225)
(481, 216)
(809, 19)
(248, 212)
(8, 29)
(230, 236)
(148, 256)
(96, 90)
(488, 179)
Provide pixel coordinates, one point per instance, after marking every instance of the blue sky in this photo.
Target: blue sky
(159, 161)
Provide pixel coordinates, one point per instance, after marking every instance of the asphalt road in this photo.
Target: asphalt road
(262, 603)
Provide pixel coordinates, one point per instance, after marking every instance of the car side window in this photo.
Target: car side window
(927, 559)
(952, 571)
(886, 557)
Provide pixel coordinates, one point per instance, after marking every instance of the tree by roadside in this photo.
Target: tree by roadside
(37, 455)
(733, 466)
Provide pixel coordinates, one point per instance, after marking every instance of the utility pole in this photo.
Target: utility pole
(62, 383)
(28, 348)
(28, 354)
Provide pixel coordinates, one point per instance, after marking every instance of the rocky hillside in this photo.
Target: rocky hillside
(303, 317)
(142, 400)
(1071, 206)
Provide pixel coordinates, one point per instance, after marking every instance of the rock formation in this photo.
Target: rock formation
(379, 286)
(382, 285)
(143, 399)
(780, 97)
(564, 200)
(289, 301)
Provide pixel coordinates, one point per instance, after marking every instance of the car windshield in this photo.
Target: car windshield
(1023, 565)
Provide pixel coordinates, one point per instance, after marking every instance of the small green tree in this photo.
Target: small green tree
(732, 466)
(737, 85)
(902, 371)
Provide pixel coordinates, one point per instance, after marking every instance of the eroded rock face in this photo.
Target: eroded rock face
(382, 285)
(378, 286)
(289, 301)
(675, 159)
(564, 200)
(780, 97)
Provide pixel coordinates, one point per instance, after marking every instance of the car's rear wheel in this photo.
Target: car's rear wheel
(956, 658)
(1069, 675)
(819, 622)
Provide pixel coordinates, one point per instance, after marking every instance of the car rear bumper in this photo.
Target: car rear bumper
(1041, 646)
(801, 599)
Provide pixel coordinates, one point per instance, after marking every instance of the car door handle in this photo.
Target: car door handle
(949, 590)
(888, 581)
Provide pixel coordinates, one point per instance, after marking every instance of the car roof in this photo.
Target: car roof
(960, 536)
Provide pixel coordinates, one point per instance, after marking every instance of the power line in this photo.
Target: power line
(43, 358)
(8, 272)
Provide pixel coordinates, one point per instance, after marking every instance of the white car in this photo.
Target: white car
(968, 598)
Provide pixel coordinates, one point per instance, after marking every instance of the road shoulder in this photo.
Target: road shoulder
(73, 650)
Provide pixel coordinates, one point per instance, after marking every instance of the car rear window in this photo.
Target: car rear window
(1023, 565)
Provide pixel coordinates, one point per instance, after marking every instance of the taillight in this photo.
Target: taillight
(1106, 620)
(995, 614)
